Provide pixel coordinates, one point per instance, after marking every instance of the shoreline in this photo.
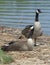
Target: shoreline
(15, 33)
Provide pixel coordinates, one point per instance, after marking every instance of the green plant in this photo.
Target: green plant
(4, 58)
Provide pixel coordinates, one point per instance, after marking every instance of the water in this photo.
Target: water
(19, 13)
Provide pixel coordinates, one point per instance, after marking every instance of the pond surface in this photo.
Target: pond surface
(19, 13)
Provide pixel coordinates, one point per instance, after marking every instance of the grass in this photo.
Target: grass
(5, 58)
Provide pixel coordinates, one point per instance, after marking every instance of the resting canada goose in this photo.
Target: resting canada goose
(18, 46)
(35, 30)
(26, 45)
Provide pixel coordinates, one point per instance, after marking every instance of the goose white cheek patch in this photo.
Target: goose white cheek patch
(37, 11)
(31, 27)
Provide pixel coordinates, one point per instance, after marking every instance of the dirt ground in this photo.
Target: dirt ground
(40, 54)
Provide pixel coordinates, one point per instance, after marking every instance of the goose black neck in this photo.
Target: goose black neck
(37, 17)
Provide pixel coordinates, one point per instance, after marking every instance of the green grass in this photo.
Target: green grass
(5, 58)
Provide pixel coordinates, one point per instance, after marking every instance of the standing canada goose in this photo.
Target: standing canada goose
(35, 29)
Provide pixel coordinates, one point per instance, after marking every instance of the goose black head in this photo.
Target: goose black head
(38, 11)
(37, 15)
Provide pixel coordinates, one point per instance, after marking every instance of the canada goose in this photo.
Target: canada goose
(26, 45)
(36, 28)
(18, 46)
